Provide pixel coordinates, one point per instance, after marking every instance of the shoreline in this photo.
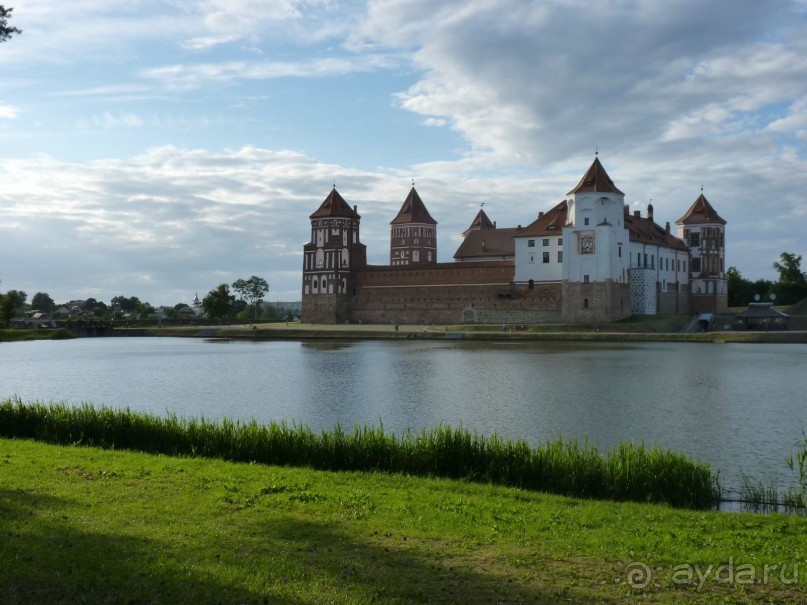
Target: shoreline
(476, 332)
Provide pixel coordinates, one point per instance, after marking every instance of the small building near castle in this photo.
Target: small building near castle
(586, 260)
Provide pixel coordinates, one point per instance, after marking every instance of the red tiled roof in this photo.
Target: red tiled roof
(334, 205)
(413, 211)
(646, 231)
(596, 180)
(700, 212)
(548, 223)
(492, 242)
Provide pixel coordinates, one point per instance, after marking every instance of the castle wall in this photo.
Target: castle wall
(451, 293)
(643, 291)
(595, 302)
(709, 303)
(674, 302)
(325, 308)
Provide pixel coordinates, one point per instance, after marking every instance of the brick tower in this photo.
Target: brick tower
(329, 261)
(704, 231)
(413, 234)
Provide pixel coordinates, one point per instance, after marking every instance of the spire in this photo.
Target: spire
(596, 180)
(334, 205)
(700, 212)
(413, 211)
(481, 221)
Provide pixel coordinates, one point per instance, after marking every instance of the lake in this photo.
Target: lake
(740, 407)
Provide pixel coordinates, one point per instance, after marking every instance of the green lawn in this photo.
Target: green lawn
(85, 525)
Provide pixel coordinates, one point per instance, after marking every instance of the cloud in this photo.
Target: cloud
(193, 76)
(109, 120)
(8, 112)
(535, 81)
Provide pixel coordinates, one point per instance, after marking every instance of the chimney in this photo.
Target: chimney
(650, 211)
(540, 214)
(355, 209)
(494, 224)
(637, 213)
(667, 228)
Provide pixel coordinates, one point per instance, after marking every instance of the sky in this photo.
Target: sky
(160, 148)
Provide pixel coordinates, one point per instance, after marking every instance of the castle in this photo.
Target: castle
(587, 260)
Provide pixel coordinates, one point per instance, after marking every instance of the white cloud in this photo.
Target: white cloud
(8, 112)
(193, 76)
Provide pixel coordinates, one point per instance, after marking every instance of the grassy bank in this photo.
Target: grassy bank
(86, 525)
(23, 335)
(628, 472)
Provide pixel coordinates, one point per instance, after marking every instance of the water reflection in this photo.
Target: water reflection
(736, 406)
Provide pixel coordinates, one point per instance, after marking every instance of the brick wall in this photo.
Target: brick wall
(595, 302)
(450, 293)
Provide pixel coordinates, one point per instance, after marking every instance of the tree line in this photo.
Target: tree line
(790, 288)
(244, 302)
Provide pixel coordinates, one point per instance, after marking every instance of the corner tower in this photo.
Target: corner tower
(595, 251)
(330, 261)
(413, 234)
(704, 231)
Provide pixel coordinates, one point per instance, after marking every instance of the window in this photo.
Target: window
(694, 240)
(532, 258)
(530, 243)
(585, 279)
(546, 257)
(587, 244)
(585, 303)
(560, 241)
(560, 256)
(696, 265)
(585, 221)
(546, 242)
(620, 250)
(652, 262)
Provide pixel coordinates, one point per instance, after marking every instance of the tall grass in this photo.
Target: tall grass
(627, 472)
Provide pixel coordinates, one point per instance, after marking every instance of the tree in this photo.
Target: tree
(7, 310)
(18, 299)
(792, 284)
(43, 302)
(127, 305)
(5, 30)
(252, 290)
(790, 269)
(740, 290)
(219, 302)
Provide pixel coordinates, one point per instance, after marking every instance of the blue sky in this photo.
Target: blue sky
(158, 149)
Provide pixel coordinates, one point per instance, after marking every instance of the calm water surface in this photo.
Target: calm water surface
(740, 407)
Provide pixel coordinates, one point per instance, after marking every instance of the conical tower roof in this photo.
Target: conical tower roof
(596, 180)
(335, 206)
(700, 212)
(481, 221)
(413, 211)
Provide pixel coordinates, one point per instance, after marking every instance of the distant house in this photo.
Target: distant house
(762, 316)
(35, 321)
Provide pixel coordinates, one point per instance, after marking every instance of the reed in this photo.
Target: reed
(566, 467)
